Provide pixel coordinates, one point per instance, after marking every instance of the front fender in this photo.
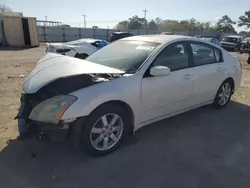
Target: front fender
(126, 90)
(84, 106)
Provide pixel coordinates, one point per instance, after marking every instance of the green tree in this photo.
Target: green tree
(245, 20)
(136, 22)
(122, 25)
(225, 25)
(4, 8)
(158, 21)
(152, 25)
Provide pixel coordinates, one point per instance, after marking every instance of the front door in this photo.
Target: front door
(167, 94)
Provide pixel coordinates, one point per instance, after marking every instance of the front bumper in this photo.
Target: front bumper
(28, 128)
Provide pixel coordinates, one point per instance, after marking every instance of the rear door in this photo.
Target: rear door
(209, 71)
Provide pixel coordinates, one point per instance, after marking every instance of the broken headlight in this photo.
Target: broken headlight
(52, 109)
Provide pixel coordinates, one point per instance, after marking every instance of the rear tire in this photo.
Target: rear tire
(105, 129)
(223, 95)
(81, 56)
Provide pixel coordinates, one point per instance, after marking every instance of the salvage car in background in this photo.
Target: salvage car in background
(245, 48)
(209, 39)
(81, 48)
(119, 35)
(212, 39)
(245, 43)
(231, 42)
(124, 86)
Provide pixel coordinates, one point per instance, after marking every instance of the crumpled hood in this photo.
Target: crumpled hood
(228, 43)
(53, 66)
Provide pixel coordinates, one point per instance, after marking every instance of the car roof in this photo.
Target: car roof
(157, 38)
(234, 36)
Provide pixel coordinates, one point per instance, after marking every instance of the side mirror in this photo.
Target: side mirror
(159, 71)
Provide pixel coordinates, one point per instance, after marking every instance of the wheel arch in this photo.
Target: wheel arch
(231, 80)
(126, 106)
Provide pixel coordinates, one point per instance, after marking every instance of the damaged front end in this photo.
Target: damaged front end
(47, 88)
(40, 113)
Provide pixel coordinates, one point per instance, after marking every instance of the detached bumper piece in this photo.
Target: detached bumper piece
(53, 132)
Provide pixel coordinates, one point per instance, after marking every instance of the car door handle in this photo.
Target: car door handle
(187, 76)
(220, 69)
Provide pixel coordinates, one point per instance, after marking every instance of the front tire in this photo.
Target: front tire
(105, 129)
(223, 95)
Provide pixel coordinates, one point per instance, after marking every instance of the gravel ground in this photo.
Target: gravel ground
(200, 148)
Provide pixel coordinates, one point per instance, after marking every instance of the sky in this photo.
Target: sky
(107, 13)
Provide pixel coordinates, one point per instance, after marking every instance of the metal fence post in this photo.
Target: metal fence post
(107, 37)
(94, 33)
(80, 33)
(44, 33)
(63, 34)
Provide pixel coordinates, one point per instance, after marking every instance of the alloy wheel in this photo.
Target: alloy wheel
(106, 132)
(224, 94)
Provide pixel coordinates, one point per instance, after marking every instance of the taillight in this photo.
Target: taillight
(62, 50)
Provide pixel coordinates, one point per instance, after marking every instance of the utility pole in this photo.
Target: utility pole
(145, 17)
(46, 19)
(84, 17)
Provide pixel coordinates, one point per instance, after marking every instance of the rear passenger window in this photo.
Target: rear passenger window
(202, 54)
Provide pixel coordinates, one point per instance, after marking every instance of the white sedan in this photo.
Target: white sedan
(81, 48)
(126, 85)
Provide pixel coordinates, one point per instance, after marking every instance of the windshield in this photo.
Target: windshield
(125, 55)
(230, 39)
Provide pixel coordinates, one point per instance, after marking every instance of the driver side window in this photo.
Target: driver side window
(175, 57)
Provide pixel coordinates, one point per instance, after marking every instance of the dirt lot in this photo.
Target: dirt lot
(201, 148)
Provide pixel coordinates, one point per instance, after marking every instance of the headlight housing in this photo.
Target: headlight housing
(52, 109)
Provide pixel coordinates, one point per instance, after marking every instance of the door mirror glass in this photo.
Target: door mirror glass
(159, 71)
